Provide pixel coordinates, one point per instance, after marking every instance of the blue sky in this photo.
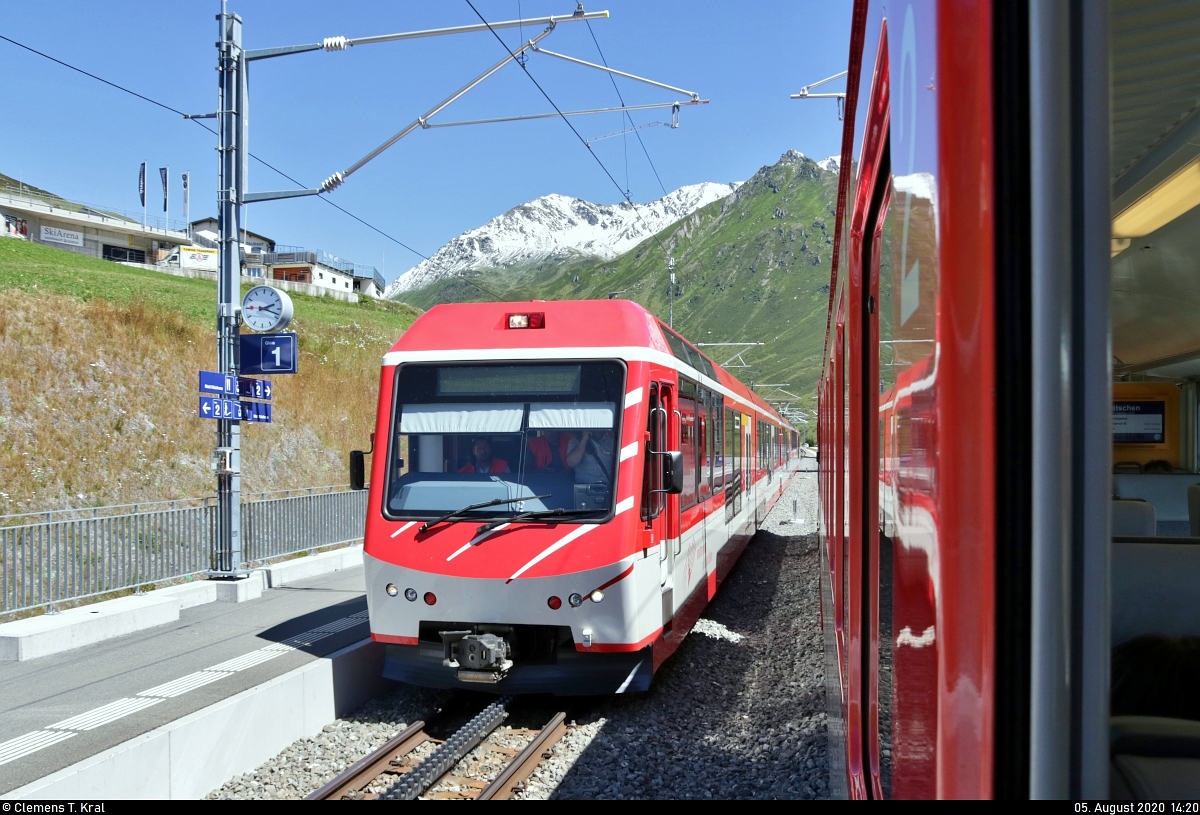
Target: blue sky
(315, 113)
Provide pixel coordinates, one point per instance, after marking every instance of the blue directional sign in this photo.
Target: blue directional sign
(219, 384)
(256, 412)
(212, 407)
(252, 388)
(269, 354)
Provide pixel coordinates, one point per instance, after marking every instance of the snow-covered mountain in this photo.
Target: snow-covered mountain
(556, 227)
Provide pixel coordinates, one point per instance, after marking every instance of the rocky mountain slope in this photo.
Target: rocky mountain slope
(753, 266)
(555, 228)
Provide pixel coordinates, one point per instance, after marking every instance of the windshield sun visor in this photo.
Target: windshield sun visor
(577, 416)
(462, 418)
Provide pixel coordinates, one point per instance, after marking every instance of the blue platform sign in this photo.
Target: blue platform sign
(269, 354)
(251, 388)
(219, 384)
(212, 407)
(256, 412)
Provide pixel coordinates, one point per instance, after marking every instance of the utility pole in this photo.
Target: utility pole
(231, 151)
(671, 293)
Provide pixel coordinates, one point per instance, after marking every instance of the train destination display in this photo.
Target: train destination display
(1138, 422)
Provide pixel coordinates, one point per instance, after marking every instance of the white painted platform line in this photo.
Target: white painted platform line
(29, 743)
(105, 714)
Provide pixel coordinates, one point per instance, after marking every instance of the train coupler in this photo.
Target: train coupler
(478, 657)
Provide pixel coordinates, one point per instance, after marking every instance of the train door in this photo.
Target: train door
(749, 464)
(733, 465)
(671, 541)
(654, 497)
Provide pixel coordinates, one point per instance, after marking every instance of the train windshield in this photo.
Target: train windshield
(545, 434)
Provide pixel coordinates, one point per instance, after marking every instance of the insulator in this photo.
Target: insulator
(333, 182)
(335, 43)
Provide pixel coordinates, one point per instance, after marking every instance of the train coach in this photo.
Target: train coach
(557, 489)
(1008, 408)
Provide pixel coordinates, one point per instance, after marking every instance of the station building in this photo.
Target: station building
(87, 230)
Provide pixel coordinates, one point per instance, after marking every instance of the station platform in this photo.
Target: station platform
(59, 710)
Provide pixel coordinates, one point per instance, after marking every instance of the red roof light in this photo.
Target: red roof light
(535, 320)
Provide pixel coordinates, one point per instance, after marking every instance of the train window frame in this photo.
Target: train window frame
(689, 391)
(653, 499)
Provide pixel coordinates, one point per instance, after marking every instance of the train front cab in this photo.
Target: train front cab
(590, 600)
(1009, 422)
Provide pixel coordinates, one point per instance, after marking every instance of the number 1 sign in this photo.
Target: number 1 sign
(269, 354)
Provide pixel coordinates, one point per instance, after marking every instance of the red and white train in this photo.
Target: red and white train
(1009, 429)
(557, 490)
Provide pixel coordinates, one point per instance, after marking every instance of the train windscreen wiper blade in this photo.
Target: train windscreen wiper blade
(492, 503)
(546, 515)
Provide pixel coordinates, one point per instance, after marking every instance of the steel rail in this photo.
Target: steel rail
(521, 767)
(420, 777)
(355, 779)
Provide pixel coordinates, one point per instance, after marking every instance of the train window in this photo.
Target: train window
(688, 441)
(701, 362)
(882, 602)
(703, 447)
(652, 473)
(717, 442)
(469, 434)
(733, 463)
(678, 346)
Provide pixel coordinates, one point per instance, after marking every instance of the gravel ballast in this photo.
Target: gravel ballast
(737, 712)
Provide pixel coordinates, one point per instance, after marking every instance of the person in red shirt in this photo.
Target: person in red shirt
(482, 460)
(550, 451)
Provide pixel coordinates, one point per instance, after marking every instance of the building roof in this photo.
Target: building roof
(246, 233)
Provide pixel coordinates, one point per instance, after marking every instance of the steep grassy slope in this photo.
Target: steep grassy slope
(98, 388)
(752, 267)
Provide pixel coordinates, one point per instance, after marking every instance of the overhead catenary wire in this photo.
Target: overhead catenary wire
(259, 159)
(627, 116)
(578, 135)
(561, 115)
(166, 107)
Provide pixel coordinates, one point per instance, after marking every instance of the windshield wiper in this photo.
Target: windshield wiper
(494, 502)
(541, 515)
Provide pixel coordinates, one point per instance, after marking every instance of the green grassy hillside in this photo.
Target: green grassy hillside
(98, 385)
(752, 267)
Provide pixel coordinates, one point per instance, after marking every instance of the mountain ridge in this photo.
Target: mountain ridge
(752, 266)
(557, 227)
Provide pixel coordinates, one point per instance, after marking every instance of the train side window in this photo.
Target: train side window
(688, 441)
(703, 446)
(717, 442)
(652, 473)
(678, 347)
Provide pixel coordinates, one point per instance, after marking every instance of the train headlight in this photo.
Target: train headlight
(597, 596)
(430, 598)
(410, 595)
(554, 603)
(392, 590)
(576, 600)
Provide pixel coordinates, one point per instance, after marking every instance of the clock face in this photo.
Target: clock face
(266, 309)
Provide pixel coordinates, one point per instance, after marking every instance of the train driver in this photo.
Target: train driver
(550, 450)
(482, 460)
(591, 456)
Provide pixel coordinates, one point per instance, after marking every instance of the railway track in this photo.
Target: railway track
(414, 764)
